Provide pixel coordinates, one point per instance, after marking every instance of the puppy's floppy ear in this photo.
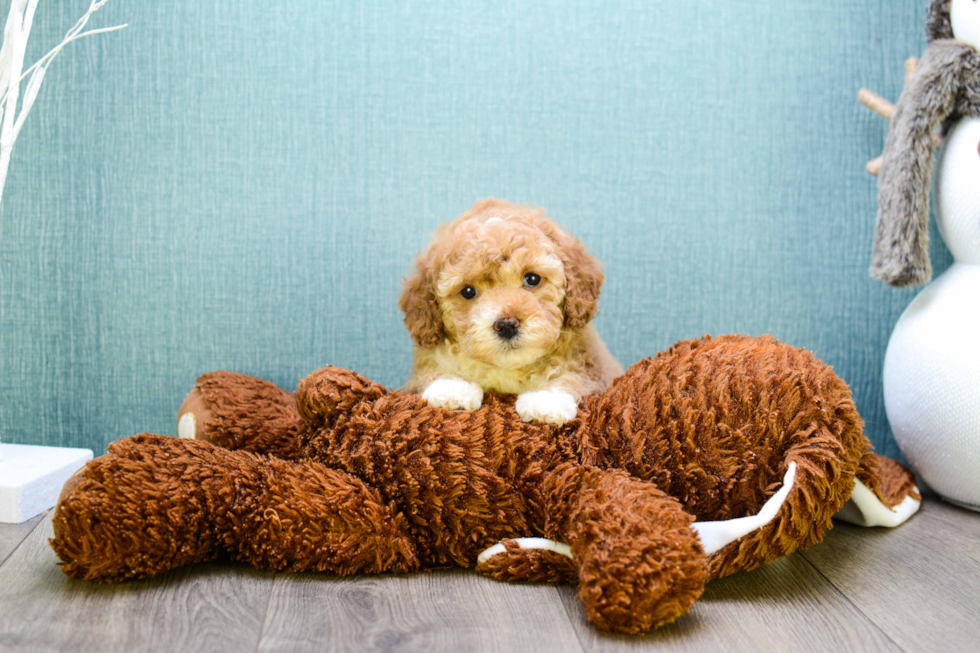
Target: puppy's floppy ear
(583, 280)
(418, 301)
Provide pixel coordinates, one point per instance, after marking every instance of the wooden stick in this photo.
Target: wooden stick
(884, 108)
(876, 103)
(874, 166)
(910, 65)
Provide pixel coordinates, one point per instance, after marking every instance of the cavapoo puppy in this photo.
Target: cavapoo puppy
(502, 301)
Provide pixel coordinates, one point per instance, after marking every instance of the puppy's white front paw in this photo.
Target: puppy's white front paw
(454, 394)
(552, 406)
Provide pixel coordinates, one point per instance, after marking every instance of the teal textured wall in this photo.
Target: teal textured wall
(242, 185)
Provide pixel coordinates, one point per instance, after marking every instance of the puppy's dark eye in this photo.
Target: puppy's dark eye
(531, 280)
(469, 292)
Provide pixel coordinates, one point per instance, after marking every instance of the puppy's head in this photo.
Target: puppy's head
(501, 282)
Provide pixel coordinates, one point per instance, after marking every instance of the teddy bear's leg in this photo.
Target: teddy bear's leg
(884, 494)
(826, 477)
(716, 535)
(822, 478)
(154, 503)
(640, 564)
(130, 513)
(528, 559)
(538, 559)
(242, 412)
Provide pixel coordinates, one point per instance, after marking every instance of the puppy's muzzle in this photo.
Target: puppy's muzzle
(507, 327)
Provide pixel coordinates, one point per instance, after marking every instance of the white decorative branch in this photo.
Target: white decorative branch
(15, 35)
(20, 19)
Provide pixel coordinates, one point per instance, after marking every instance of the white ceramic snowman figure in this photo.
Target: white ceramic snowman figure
(932, 366)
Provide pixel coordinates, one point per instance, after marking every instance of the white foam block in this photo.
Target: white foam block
(31, 478)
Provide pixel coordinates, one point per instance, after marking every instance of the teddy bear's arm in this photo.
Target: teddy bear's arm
(243, 413)
(639, 562)
(333, 391)
(154, 503)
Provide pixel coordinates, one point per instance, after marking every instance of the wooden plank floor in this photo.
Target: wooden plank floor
(915, 588)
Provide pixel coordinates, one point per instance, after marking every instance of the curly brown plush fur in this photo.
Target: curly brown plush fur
(703, 431)
(530, 565)
(236, 410)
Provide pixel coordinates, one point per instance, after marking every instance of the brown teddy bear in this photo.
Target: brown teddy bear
(716, 456)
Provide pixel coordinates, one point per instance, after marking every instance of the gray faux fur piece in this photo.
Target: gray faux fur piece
(944, 88)
(938, 25)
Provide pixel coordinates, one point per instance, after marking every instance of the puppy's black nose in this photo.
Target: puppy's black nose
(506, 327)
